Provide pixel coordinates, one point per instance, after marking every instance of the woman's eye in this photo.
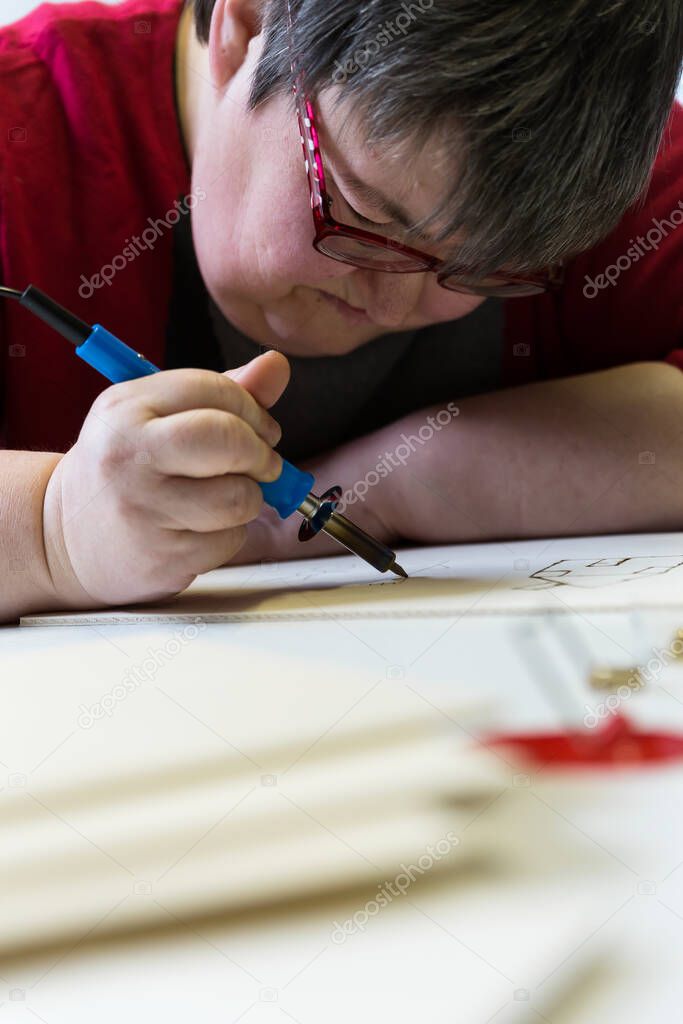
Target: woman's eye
(365, 220)
(359, 216)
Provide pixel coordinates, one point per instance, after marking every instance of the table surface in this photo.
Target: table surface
(581, 920)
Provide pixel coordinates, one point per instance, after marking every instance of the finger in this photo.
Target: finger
(207, 443)
(196, 553)
(265, 377)
(208, 506)
(175, 391)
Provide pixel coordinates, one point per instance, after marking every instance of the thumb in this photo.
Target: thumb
(265, 377)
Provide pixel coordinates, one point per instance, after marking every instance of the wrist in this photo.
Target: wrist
(67, 589)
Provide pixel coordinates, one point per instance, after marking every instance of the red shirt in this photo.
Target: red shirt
(91, 151)
(92, 154)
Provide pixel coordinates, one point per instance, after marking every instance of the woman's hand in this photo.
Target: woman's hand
(162, 481)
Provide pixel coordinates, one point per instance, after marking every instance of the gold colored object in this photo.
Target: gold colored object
(603, 678)
(676, 645)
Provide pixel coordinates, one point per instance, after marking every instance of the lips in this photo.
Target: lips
(351, 313)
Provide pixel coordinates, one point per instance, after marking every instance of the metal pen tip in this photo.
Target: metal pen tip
(320, 514)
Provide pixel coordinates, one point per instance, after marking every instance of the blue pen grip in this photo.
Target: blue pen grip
(289, 490)
(118, 362)
(114, 360)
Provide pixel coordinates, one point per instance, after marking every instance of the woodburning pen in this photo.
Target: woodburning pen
(290, 493)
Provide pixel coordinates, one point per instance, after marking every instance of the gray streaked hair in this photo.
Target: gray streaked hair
(547, 114)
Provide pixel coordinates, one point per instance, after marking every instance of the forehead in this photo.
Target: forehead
(412, 170)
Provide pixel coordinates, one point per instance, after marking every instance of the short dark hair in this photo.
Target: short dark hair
(549, 113)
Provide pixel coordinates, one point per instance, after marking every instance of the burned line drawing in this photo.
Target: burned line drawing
(601, 572)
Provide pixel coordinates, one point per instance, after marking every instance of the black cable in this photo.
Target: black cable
(41, 305)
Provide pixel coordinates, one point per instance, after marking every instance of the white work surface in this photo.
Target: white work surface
(564, 575)
(579, 920)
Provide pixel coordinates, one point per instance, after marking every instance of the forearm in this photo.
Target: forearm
(556, 458)
(562, 457)
(26, 582)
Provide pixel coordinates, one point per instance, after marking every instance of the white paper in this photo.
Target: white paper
(581, 573)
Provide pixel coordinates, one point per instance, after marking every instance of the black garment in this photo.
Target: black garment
(334, 399)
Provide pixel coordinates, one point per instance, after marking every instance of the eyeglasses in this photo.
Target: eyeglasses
(371, 251)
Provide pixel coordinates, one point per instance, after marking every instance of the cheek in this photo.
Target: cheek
(251, 238)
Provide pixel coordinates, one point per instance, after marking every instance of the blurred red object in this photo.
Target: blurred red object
(615, 744)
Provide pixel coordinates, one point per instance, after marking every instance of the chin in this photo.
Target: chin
(302, 323)
(317, 337)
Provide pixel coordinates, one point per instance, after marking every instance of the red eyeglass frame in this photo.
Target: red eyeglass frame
(507, 285)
